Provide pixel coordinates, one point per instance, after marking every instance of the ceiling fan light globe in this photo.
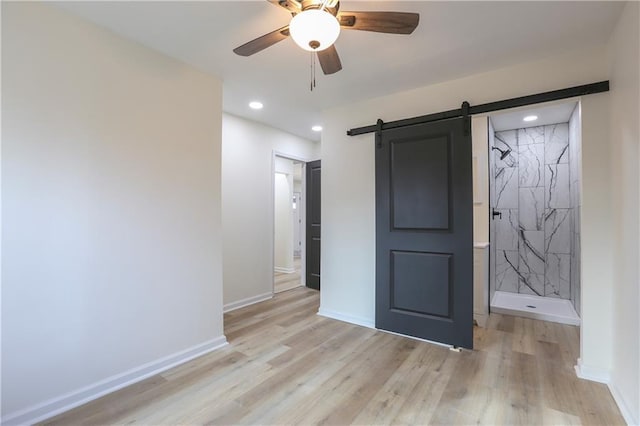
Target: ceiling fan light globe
(314, 28)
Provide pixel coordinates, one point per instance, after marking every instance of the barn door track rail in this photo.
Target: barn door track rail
(466, 110)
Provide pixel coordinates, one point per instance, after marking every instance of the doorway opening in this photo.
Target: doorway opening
(289, 223)
(534, 212)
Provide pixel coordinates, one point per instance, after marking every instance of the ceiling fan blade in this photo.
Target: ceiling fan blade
(329, 60)
(261, 43)
(381, 22)
(292, 6)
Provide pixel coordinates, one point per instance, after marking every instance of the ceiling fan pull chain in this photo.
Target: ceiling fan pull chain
(312, 80)
(311, 71)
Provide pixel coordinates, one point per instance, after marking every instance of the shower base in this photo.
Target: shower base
(536, 307)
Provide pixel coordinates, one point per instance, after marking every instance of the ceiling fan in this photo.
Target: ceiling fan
(316, 24)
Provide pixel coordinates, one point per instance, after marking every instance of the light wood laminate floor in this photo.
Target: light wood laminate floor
(287, 365)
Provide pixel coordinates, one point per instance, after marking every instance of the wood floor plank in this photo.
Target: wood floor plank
(286, 365)
(546, 331)
(554, 417)
(420, 405)
(383, 407)
(504, 323)
(308, 370)
(258, 323)
(466, 377)
(237, 318)
(360, 391)
(110, 406)
(524, 339)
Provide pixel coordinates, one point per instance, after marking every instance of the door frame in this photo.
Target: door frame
(490, 180)
(271, 213)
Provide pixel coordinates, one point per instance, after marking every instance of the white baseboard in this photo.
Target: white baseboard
(60, 404)
(622, 405)
(604, 376)
(365, 322)
(284, 270)
(595, 374)
(246, 302)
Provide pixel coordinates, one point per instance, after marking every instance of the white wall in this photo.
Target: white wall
(283, 215)
(624, 133)
(110, 212)
(575, 186)
(348, 226)
(283, 222)
(247, 197)
(596, 229)
(480, 139)
(283, 251)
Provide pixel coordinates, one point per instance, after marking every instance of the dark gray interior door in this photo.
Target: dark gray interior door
(313, 225)
(424, 231)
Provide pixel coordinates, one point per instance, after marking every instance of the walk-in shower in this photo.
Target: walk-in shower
(534, 169)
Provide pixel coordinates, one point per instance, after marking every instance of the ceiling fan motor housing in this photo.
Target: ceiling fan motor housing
(332, 6)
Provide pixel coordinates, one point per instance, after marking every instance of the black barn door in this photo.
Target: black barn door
(424, 231)
(313, 225)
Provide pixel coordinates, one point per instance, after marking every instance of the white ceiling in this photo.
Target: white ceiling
(547, 114)
(453, 39)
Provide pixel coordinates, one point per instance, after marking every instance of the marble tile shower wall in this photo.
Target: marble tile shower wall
(532, 196)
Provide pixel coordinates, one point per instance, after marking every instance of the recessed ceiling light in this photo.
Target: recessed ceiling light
(317, 128)
(255, 105)
(530, 118)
